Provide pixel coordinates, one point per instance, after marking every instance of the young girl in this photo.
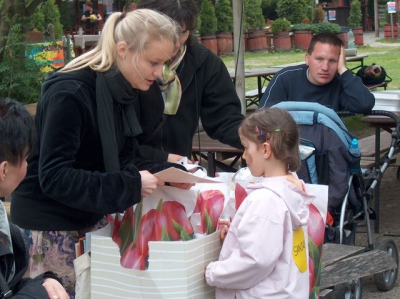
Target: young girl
(265, 252)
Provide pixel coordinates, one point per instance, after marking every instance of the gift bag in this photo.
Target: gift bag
(316, 230)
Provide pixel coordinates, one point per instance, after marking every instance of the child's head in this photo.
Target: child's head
(277, 128)
(17, 139)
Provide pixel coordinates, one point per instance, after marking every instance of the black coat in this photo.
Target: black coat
(208, 94)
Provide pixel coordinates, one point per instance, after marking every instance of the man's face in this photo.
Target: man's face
(322, 63)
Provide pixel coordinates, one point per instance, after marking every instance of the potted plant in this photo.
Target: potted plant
(354, 22)
(388, 26)
(319, 15)
(223, 12)
(293, 11)
(302, 35)
(254, 24)
(208, 26)
(281, 35)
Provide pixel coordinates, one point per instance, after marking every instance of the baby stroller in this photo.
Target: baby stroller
(336, 163)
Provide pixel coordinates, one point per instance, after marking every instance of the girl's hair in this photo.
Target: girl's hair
(278, 128)
(137, 28)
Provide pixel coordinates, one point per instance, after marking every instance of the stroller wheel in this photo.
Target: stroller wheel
(350, 290)
(386, 280)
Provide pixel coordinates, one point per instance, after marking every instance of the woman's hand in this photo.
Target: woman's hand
(172, 158)
(149, 183)
(54, 289)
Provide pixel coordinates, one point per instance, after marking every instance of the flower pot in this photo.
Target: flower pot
(282, 41)
(344, 36)
(257, 41)
(388, 31)
(358, 36)
(302, 39)
(224, 43)
(210, 42)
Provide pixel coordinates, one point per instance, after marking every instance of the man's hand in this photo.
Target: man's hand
(342, 61)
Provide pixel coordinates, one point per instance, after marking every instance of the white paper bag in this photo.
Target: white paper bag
(176, 270)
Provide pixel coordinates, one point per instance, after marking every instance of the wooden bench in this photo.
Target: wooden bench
(367, 147)
(31, 108)
(253, 97)
(344, 263)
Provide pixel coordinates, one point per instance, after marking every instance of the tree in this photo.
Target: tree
(292, 10)
(269, 9)
(223, 12)
(14, 12)
(253, 17)
(207, 18)
(355, 15)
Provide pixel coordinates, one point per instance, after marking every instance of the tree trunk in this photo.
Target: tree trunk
(11, 9)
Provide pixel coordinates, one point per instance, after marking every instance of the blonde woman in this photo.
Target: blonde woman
(84, 167)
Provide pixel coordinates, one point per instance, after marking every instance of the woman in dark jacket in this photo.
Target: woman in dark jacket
(208, 94)
(84, 166)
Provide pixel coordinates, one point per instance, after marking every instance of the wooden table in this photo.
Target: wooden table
(80, 40)
(213, 147)
(261, 73)
(378, 121)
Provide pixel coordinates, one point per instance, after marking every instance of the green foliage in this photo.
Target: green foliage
(325, 27)
(45, 14)
(310, 4)
(292, 10)
(269, 9)
(300, 26)
(207, 18)
(223, 12)
(354, 19)
(280, 25)
(319, 15)
(253, 17)
(67, 18)
(20, 78)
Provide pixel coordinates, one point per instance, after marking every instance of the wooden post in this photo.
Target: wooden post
(376, 17)
(237, 7)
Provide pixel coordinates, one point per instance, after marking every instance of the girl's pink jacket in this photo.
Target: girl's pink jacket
(256, 258)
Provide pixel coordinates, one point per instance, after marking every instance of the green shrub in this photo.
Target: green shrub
(253, 17)
(354, 19)
(395, 17)
(325, 27)
(269, 9)
(223, 12)
(319, 15)
(292, 10)
(207, 18)
(280, 25)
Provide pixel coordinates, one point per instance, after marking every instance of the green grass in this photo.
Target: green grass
(386, 56)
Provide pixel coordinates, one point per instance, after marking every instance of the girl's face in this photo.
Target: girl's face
(11, 176)
(142, 69)
(254, 156)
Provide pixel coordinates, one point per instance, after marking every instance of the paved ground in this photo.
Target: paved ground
(371, 40)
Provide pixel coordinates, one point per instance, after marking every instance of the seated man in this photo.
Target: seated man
(324, 79)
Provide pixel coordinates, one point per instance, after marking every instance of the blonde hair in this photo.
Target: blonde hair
(137, 28)
(276, 126)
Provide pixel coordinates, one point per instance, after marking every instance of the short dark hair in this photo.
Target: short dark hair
(88, 3)
(276, 126)
(17, 132)
(324, 38)
(184, 12)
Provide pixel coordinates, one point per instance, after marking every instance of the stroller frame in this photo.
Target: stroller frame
(364, 182)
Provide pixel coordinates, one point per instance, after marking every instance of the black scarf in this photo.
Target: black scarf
(112, 86)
